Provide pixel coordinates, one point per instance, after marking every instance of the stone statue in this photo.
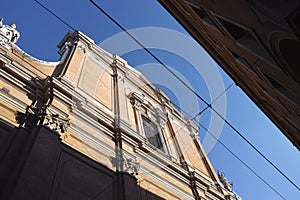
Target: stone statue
(8, 33)
(225, 181)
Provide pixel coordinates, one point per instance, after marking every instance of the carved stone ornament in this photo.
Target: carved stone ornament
(8, 34)
(82, 47)
(170, 116)
(129, 165)
(121, 78)
(136, 104)
(56, 123)
(136, 100)
(194, 135)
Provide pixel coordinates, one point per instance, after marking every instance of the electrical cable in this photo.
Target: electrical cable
(239, 159)
(194, 92)
(56, 16)
(188, 87)
(223, 145)
(199, 113)
(199, 125)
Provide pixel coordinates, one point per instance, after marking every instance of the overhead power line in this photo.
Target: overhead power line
(199, 125)
(239, 159)
(224, 146)
(56, 16)
(194, 92)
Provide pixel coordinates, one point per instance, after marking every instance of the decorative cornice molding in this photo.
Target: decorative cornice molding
(25, 55)
(213, 190)
(87, 138)
(166, 164)
(84, 118)
(200, 177)
(211, 196)
(171, 187)
(10, 100)
(56, 123)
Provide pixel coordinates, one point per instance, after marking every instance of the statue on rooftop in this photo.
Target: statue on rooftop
(8, 33)
(225, 181)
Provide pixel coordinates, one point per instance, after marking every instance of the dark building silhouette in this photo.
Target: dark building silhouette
(257, 43)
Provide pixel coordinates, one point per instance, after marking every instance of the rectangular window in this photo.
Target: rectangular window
(152, 133)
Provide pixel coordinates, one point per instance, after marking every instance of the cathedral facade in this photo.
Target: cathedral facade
(89, 126)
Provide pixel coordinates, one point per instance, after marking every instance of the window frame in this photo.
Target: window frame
(159, 133)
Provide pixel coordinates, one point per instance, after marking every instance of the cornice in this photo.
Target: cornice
(88, 138)
(165, 164)
(212, 190)
(24, 55)
(202, 178)
(17, 83)
(79, 114)
(12, 101)
(14, 69)
(170, 186)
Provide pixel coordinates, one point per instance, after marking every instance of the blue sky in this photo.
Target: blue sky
(41, 32)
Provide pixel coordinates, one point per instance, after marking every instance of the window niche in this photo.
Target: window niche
(152, 133)
(150, 121)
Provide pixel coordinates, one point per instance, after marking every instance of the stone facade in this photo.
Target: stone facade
(91, 127)
(257, 43)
